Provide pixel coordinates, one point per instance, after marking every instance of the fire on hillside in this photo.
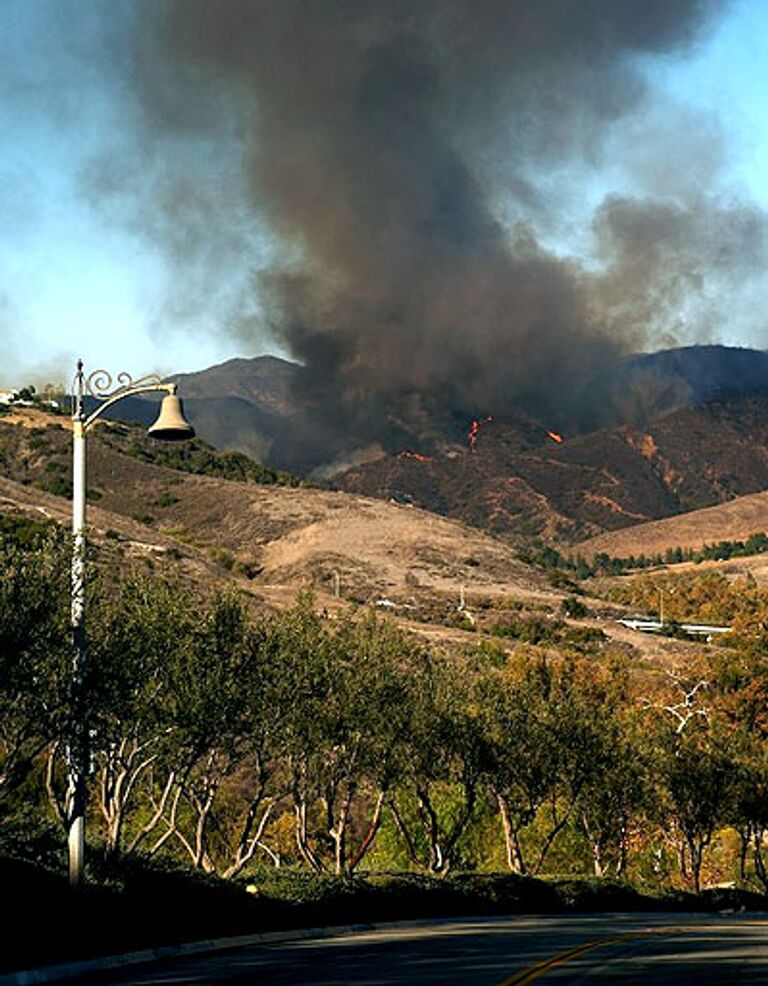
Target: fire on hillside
(408, 454)
(474, 429)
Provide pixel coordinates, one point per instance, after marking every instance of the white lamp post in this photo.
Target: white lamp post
(170, 426)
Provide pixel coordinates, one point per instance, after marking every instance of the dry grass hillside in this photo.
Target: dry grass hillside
(272, 540)
(266, 534)
(606, 480)
(731, 521)
(304, 536)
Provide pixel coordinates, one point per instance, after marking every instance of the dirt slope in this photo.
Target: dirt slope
(731, 521)
(268, 534)
(272, 540)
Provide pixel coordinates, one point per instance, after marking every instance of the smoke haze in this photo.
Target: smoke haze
(411, 159)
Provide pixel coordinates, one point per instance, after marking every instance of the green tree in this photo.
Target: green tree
(616, 794)
(520, 757)
(437, 796)
(695, 770)
(34, 653)
(358, 748)
(140, 627)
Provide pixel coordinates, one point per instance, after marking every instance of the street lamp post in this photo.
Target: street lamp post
(171, 425)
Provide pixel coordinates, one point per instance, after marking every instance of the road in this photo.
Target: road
(585, 949)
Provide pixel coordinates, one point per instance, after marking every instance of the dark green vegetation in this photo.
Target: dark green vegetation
(300, 752)
(602, 564)
(196, 457)
(542, 630)
(41, 457)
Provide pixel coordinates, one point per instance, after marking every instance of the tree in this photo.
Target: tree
(140, 627)
(750, 805)
(545, 729)
(520, 756)
(34, 652)
(204, 710)
(615, 795)
(740, 681)
(695, 769)
(436, 799)
(361, 749)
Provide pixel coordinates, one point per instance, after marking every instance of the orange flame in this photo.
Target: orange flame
(474, 428)
(408, 454)
(555, 437)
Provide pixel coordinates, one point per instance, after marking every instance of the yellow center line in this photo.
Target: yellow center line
(532, 972)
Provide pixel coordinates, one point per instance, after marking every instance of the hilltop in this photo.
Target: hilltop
(695, 434)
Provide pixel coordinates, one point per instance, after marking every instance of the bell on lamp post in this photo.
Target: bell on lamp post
(171, 425)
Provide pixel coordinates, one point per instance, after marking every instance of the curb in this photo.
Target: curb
(68, 970)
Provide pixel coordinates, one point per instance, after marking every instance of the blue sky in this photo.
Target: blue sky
(73, 281)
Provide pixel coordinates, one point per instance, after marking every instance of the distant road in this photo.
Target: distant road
(659, 949)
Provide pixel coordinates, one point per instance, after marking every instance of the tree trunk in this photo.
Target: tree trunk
(302, 839)
(402, 828)
(745, 838)
(621, 862)
(595, 846)
(338, 832)
(370, 835)
(157, 815)
(57, 804)
(696, 854)
(432, 831)
(513, 849)
(557, 827)
(760, 869)
(250, 842)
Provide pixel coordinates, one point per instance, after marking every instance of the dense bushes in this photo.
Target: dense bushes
(338, 745)
(195, 456)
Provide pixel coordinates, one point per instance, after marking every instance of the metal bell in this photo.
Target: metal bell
(171, 425)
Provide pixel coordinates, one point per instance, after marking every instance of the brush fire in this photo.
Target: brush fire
(555, 437)
(408, 454)
(474, 429)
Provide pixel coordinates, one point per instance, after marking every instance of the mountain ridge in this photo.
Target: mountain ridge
(675, 454)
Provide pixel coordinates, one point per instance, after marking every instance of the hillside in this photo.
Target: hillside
(603, 481)
(269, 408)
(691, 375)
(506, 473)
(735, 520)
(271, 540)
(269, 534)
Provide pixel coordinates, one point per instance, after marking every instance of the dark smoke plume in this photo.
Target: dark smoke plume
(379, 137)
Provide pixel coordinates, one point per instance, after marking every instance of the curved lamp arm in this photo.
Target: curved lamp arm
(99, 385)
(147, 388)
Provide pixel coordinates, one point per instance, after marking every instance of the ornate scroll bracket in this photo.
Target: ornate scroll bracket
(102, 385)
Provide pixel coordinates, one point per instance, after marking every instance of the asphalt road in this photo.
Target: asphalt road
(594, 949)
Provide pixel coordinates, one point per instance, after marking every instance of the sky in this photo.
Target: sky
(77, 279)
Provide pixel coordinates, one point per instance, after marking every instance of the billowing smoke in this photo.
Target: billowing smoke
(412, 157)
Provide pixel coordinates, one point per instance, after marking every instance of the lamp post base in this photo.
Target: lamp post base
(76, 851)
